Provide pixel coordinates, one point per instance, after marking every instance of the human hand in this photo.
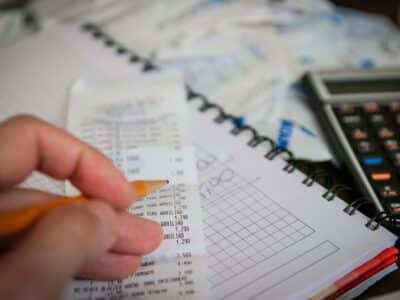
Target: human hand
(95, 239)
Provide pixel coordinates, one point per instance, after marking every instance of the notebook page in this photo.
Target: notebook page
(37, 72)
(269, 236)
(140, 123)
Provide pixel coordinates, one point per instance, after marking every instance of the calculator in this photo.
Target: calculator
(359, 113)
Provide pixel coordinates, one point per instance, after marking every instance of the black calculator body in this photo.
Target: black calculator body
(359, 113)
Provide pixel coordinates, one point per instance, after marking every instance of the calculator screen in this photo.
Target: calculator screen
(339, 87)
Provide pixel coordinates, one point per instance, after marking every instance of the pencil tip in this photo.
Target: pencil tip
(154, 185)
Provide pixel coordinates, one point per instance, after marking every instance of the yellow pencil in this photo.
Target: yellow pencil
(15, 222)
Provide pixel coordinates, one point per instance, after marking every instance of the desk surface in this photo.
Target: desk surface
(387, 288)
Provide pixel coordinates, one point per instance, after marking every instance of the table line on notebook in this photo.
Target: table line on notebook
(301, 270)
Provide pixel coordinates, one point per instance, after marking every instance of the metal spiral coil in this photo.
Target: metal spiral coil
(148, 66)
(334, 191)
(312, 177)
(257, 141)
(291, 166)
(355, 205)
(280, 151)
(108, 41)
(376, 221)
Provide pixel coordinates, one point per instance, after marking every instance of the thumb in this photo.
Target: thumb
(56, 248)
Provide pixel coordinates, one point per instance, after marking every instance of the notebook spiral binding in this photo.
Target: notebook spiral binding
(256, 140)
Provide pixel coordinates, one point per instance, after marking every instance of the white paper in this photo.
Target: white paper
(343, 38)
(241, 69)
(140, 123)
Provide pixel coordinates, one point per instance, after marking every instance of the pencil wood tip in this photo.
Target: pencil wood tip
(155, 185)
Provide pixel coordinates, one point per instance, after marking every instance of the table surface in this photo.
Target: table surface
(387, 288)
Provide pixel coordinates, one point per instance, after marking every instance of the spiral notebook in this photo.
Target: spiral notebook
(269, 232)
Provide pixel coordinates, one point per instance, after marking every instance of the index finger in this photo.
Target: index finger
(28, 144)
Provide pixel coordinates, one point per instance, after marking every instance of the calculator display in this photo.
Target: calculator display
(340, 87)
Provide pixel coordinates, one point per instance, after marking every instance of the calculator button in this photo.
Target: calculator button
(388, 192)
(372, 161)
(351, 120)
(346, 109)
(395, 207)
(370, 108)
(359, 134)
(397, 119)
(381, 176)
(386, 133)
(394, 106)
(365, 147)
(396, 159)
(377, 120)
(392, 145)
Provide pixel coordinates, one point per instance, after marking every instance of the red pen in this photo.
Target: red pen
(366, 276)
(357, 273)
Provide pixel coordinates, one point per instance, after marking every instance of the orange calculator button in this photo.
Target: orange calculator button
(394, 106)
(381, 176)
(386, 133)
(346, 109)
(371, 107)
(359, 134)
